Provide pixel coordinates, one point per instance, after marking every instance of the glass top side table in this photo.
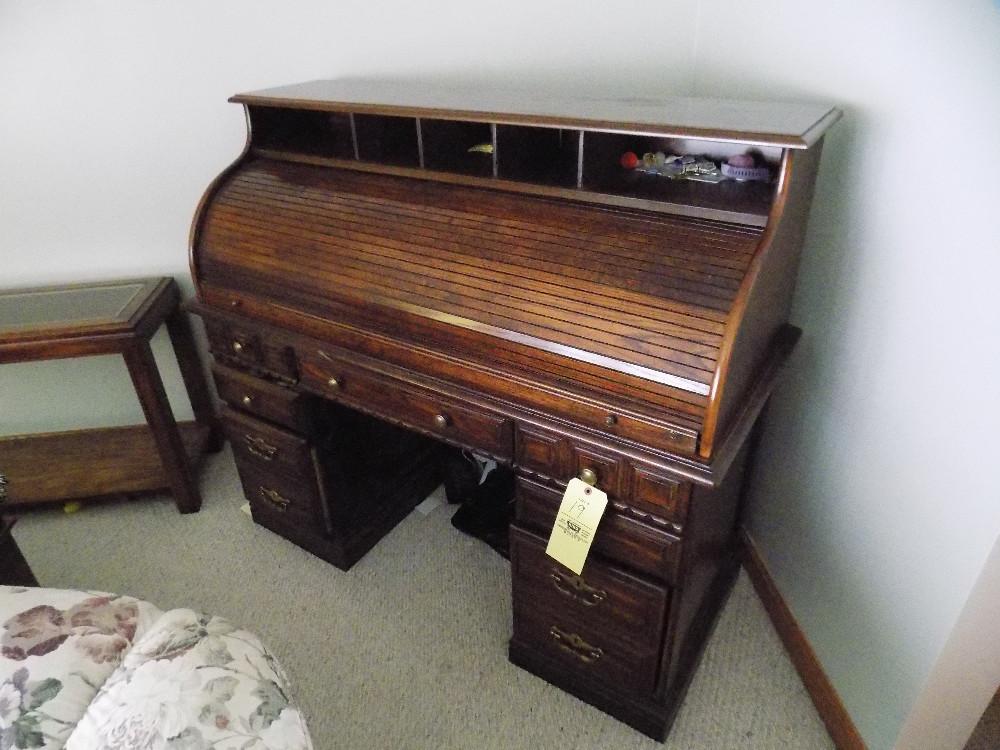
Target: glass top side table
(117, 317)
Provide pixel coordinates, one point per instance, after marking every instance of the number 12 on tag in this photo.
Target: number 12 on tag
(576, 523)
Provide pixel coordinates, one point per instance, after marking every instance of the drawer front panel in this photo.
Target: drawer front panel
(270, 448)
(621, 538)
(549, 454)
(593, 655)
(288, 501)
(243, 345)
(661, 495)
(418, 409)
(268, 400)
(606, 599)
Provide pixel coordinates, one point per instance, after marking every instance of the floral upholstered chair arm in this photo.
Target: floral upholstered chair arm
(194, 682)
(89, 671)
(56, 649)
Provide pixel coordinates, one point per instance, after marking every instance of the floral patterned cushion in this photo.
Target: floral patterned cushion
(56, 650)
(98, 672)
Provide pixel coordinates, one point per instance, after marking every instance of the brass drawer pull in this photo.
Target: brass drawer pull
(238, 347)
(333, 381)
(576, 588)
(573, 644)
(274, 498)
(441, 421)
(247, 400)
(588, 476)
(259, 447)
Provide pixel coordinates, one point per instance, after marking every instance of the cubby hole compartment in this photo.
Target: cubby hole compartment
(447, 145)
(545, 156)
(387, 140)
(326, 134)
(603, 173)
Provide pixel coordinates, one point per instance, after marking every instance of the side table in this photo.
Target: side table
(107, 318)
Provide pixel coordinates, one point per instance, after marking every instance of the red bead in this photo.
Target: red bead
(629, 160)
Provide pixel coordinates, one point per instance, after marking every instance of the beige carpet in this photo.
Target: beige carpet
(408, 650)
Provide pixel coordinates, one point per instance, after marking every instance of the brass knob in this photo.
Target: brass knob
(611, 420)
(234, 303)
(588, 476)
(247, 400)
(333, 383)
(237, 347)
(441, 421)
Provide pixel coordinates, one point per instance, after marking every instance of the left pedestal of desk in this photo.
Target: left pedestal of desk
(117, 317)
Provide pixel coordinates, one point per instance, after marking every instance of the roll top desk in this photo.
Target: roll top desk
(388, 268)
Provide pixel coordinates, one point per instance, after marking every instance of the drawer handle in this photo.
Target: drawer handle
(274, 498)
(238, 346)
(259, 447)
(246, 400)
(441, 421)
(573, 644)
(576, 588)
(333, 383)
(588, 476)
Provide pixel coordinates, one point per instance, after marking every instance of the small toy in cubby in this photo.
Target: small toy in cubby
(741, 167)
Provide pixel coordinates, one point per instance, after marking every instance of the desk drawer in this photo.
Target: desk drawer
(243, 345)
(270, 448)
(639, 546)
(594, 655)
(273, 402)
(606, 599)
(283, 501)
(556, 456)
(416, 408)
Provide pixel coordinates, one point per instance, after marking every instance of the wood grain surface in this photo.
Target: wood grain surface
(55, 467)
(641, 294)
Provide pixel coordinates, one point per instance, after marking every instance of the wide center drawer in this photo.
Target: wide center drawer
(417, 408)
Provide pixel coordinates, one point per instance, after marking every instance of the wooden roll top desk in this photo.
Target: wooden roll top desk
(479, 268)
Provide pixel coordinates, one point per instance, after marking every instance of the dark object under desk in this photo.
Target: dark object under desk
(14, 570)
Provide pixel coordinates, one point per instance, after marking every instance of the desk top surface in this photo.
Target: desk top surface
(792, 125)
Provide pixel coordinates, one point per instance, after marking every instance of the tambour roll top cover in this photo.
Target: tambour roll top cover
(523, 252)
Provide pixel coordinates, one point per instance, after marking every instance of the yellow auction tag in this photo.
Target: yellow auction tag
(576, 523)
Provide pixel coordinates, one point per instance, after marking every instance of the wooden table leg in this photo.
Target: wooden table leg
(153, 398)
(193, 374)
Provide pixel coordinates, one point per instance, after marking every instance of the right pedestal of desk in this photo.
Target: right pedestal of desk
(625, 635)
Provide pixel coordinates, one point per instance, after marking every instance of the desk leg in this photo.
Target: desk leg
(152, 397)
(186, 352)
